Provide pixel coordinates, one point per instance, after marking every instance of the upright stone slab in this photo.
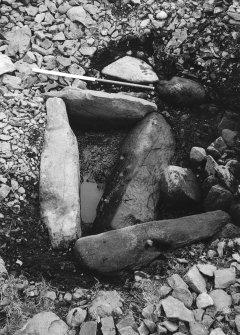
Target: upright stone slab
(60, 177)
(133, 189)
(100, 109)
(136, 246)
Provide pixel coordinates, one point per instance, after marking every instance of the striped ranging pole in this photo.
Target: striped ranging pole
(92, 79)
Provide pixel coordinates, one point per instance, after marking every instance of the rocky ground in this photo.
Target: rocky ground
(194, 39)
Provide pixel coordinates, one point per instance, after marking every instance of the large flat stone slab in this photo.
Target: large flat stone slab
(136, 246)
(133, 189)
(100, 109)
(60, 177)
(131, 69)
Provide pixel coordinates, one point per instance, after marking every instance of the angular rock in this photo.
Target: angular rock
(76, 317)
(218, 198)
(170, 326)
(100, 109)
(78, 14)
(204, 300)
(176, 282)
(60, 177)
(127, 331)
(142, 329)
(131, 69)
(221, 300)
(179, 186)
(195, 280)
(89, 328)
(197, 329)
(6, 65)
(207, 269)
(4, 191)
(135, 246)
(217, 331)
(183, 295)
(132, 191)
(230, 137)
(44, 323)
(12, 82)
(237, 322)
(105, 303)
(108, 326)
(175, 309)
(18, 41)
(127, 321)
(181, 92)
(224, 277)
(198, 155)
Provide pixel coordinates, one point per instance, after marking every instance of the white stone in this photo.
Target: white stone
(221, 300)
(175, 309)
(131, 69)
(6, 65)
(207, 269)
(204, 300)
(60, 177)
(4, 191)
(76, 317)
(78, 14)
(198, 155)
(161, 15)
(225, 277)
(217, 331)
(195, 280)
(44, 323)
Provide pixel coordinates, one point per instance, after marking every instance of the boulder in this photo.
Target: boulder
(133, 189)
(60, 177)
(44, 323)
(181, 92)
(131, 69)
(6, 65)
(179, 186)
(100, 109)
(136, 246)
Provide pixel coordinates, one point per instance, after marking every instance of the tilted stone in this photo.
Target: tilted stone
(175, 309)
(132, 191)
(132, 70)
(135, 246)
(195, 280)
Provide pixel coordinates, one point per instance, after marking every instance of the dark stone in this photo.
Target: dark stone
(235, 213)
(230, 121)
(181, 92)
(137, 246)
(133, 189)
(218, 198)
